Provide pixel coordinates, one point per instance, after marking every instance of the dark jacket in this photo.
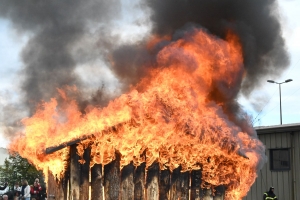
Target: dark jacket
(22, 190)
(270, 195)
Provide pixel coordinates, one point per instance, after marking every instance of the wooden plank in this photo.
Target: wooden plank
(185, 185)
(219, 193)
(51, 185)
(179, 185)
(50, 150)
(195, 184)
(207, 194)
(164, 185)
(175, 184)
(139, 182)
(152, 185)
(65, 184)
(112, 179)
(74, 173)
(127, 184)
(97, 182)
(84, 175)
(57, 189)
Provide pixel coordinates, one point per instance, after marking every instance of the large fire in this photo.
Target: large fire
(170, 116)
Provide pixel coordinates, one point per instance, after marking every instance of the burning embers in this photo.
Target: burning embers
(176, 116)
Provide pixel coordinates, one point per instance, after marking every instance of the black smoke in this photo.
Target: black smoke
(255, 21)
(56, 47)
(54, 27)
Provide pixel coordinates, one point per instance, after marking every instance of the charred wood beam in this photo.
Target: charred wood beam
(175, 184)
(152, 179)
(65, 182)
(139, 182)
(74, 171)
(164, 185)
(97, 182)
(127, 184)
(112, 179)
(84, 175)
(50, 150)
(179, 185)
(219, 192)
(207, 194)
(195, 184)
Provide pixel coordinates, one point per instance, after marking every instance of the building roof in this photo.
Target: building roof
(278, 128)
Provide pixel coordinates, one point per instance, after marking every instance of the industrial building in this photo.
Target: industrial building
(282, 170)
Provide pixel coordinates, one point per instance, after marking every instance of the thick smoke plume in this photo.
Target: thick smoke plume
(58, 30)
(54, 28)
(255, 21)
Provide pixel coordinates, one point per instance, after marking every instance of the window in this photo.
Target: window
(279, 159)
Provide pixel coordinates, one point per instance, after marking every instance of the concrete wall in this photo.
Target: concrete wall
(286, 183)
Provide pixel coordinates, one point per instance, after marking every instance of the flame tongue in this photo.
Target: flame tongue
(170, 117)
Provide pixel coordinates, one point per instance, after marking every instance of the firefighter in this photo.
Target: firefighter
(270, 195)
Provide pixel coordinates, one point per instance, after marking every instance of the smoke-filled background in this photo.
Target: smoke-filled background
(100, 47)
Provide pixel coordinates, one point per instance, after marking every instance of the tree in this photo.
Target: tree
(16, 168)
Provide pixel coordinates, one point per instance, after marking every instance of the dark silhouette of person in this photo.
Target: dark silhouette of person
(270, 195)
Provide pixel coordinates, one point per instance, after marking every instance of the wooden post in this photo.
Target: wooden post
(164, 185)
(207, 194)
(84, 175)
(152, 179)
(219, 193)
(74, 174)
(195, 184)
(179, 185)
(65, 184)
(51, 186)
(139, 182)
(127, 184)
(112, 179)
(97, 182)
(56, 189)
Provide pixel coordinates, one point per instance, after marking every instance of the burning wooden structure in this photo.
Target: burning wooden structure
(109, 182)
(133, 148)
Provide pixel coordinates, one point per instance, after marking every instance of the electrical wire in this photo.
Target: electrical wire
(292, 68)
(262, 109)
(289, 96)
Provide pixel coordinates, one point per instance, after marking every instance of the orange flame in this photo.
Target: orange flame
(168, 117)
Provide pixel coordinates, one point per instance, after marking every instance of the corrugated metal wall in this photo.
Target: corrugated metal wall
(296, 141)
(281, 180)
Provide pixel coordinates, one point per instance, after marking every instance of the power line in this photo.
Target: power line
(263, 108)
(268, 112)
(292, 68)
(288, 96)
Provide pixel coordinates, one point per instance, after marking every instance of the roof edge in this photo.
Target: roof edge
(277, 128)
